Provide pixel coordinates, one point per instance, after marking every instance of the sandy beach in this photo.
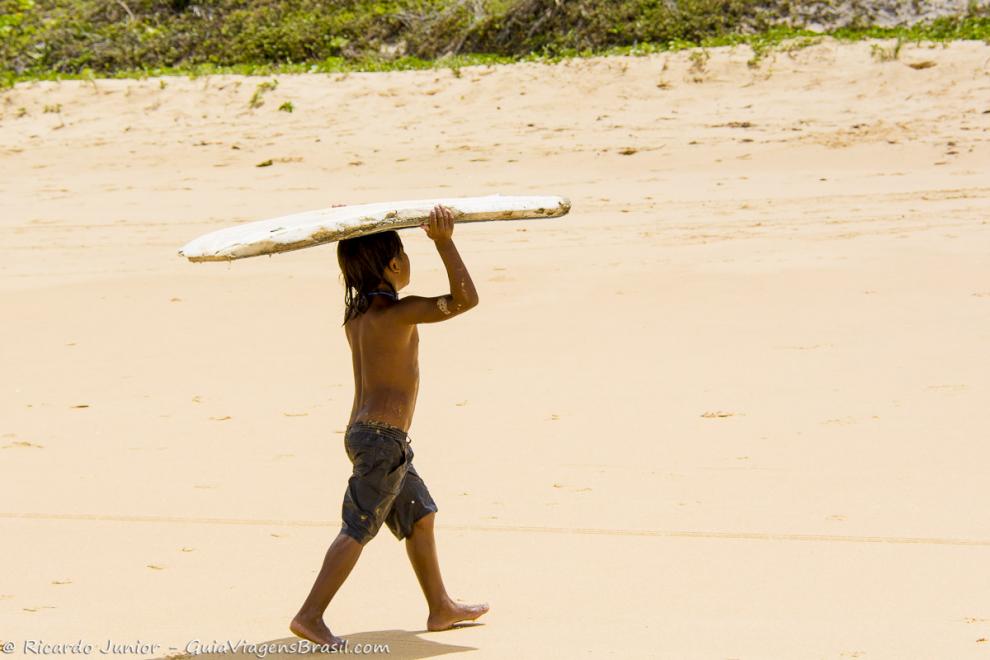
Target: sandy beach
(733, 406)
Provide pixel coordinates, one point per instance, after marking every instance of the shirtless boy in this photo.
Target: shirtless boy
(384, 487)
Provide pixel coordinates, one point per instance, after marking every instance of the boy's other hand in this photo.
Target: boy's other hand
(441, 224)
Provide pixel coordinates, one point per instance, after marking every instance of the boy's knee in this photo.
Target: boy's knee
(361, 536)
(426, 522)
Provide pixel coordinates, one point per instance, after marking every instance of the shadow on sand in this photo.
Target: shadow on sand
(402, 645)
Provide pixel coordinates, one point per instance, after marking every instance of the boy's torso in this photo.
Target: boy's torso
(386, 367)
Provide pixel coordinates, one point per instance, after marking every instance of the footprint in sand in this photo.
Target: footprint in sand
(949, 388)
(22, 443)
(573, 489)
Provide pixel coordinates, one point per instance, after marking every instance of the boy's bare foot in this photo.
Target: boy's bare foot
(451, 613)
(315, 631)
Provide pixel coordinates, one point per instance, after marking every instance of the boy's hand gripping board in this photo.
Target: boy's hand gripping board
(309, 228)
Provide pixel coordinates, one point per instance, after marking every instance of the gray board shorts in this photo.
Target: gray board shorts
(384, 487)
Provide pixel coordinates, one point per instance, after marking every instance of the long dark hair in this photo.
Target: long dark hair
(363, 261)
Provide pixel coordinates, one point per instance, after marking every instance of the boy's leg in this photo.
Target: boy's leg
(371, 488)
(411, 517)
(337, 564)
(421, 547)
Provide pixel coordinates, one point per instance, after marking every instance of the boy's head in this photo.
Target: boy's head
(369, 263)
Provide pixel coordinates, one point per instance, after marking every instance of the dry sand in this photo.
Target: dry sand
(733, 406)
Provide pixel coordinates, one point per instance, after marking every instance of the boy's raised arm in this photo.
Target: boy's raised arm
(462, 297)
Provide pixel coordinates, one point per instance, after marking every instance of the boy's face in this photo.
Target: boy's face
(400, 270)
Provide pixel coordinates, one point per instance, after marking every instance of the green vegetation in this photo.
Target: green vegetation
(887, 53)
(127, 38)
(287, 107)
(699, 63)
(257, 99)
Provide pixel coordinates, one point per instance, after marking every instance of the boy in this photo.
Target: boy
(384, 487)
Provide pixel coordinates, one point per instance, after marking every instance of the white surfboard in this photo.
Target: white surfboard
(302, 230)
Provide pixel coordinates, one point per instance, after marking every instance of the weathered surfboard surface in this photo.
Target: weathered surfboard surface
(302, 230)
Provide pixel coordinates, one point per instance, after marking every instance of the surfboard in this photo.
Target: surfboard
(309, 228)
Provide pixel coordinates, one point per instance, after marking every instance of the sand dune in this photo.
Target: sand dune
(732, 406)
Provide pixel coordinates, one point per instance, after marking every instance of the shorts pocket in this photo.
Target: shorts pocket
(393, 466)
(396, 453)
(366, 457)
